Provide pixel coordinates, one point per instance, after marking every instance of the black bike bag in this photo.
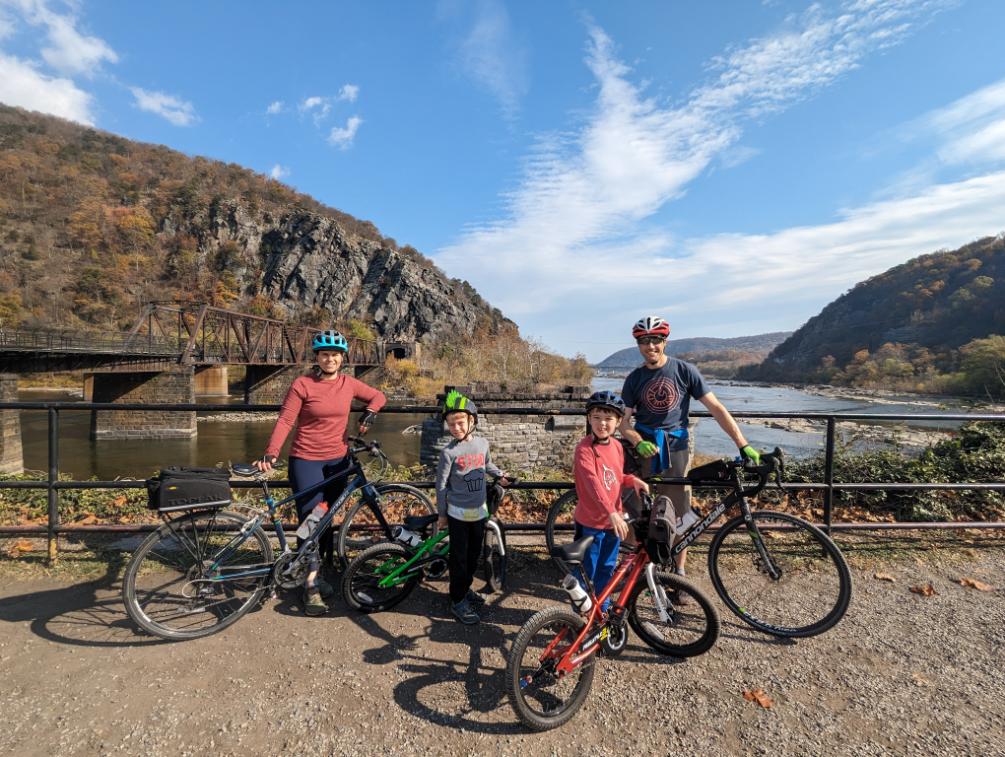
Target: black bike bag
(176, 489)
(717, 470)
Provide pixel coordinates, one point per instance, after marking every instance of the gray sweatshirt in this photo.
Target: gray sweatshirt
(460, 479)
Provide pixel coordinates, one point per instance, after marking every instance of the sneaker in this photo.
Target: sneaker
(326, 589)
(313, 603)
(464, 612)
(680, 598)
(474, 598)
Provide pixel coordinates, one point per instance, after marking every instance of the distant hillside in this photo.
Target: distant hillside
(736, 351)
(931, 324)
(92, 224)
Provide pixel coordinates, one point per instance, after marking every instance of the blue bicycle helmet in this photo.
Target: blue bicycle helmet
(610, 400)
(329, 340)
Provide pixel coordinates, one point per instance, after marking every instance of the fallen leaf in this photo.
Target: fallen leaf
(88, 520)
(758, 695)
(926, 591)
(920, 680)
(21, 545)
(973, 583)
(883, 577)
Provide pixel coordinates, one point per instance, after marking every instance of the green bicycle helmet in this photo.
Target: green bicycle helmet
(457, 402)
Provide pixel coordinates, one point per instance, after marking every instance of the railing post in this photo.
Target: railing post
(829, 474)
(53, 478)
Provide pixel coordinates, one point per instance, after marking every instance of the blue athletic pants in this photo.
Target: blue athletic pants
(601, 558)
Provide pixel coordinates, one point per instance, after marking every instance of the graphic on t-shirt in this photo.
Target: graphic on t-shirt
(660, 395)
(609, 478)
(474, 480)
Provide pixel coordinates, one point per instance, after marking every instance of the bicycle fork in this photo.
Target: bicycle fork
(659, 595)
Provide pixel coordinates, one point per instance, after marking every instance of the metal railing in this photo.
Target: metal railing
(52, 485)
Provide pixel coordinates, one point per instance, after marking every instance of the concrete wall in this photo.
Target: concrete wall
(518, 442)
(155, 387)
(11, 459)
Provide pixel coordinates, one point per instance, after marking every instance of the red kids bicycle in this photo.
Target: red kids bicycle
(551, 666)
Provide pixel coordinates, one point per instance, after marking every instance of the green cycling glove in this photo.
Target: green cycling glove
(751, 454)
(646, 448)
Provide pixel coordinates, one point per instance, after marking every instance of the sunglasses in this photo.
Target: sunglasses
(649, 340)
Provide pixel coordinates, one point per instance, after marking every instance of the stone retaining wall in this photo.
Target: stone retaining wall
(162, 387)
(11, 459)
(517, 442)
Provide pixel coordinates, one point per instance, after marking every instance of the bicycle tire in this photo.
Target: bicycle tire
(809, 561)
(494, 558)
(692, 627)
(523, 694)
(564, 505)
(158, 587)
(396, 501)
(359, 584)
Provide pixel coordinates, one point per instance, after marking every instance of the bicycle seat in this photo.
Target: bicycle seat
(574, 553)
(244, 469)
(419, 522)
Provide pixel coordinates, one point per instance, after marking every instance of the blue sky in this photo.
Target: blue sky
(732, 166)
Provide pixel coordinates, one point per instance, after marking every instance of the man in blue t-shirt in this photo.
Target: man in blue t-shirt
(658, 395)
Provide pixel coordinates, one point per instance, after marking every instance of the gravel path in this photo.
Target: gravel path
(902, 674)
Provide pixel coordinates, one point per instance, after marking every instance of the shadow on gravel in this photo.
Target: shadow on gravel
(81, 614)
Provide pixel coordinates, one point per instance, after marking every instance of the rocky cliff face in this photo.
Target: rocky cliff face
(303, 260)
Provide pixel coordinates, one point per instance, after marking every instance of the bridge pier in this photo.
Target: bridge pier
(268, 384)
(11, 458)
(211, 381)
(156, 387)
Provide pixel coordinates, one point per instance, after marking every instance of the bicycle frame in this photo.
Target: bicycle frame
(588, 640)
(425, 553)
(736, 498)
(357, 483)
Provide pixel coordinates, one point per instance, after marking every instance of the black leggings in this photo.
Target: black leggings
(466, 539)
(306, 473)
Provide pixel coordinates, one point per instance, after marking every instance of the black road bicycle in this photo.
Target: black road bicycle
(207, 566)
(775, 571)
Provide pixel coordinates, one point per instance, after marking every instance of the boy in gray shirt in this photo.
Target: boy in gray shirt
(460, 501)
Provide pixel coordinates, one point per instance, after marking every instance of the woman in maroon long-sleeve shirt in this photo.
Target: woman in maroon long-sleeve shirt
(318, 405)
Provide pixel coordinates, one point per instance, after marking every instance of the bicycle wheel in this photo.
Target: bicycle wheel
(541, 698)
(560, 514)
(811, 590)
(169, 589)
(360, 584)
(690, 628)
(494, 557)
(360, 529)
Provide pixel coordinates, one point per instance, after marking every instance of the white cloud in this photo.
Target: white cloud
(68, 50)
(492, 57)
(318, 107)
(279, 172)
(275, 107)
(348, 93)
(342, 137)
(23, 85)
(175, 111)
(973, 126)
(572, 223)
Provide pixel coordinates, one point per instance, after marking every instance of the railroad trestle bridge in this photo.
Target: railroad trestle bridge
(175, 352)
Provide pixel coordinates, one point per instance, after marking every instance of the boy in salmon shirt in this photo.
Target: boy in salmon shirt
(597, 467)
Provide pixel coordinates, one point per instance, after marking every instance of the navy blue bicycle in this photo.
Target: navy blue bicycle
(212, 561)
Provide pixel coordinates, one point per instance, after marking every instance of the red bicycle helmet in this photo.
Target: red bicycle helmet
(651, 325)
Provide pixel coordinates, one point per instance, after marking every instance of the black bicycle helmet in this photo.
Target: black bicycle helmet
(607, 399)
(457, 402)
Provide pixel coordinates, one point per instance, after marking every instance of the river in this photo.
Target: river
(222, 441)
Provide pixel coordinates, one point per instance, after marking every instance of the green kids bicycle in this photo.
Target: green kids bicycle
(383, 575)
